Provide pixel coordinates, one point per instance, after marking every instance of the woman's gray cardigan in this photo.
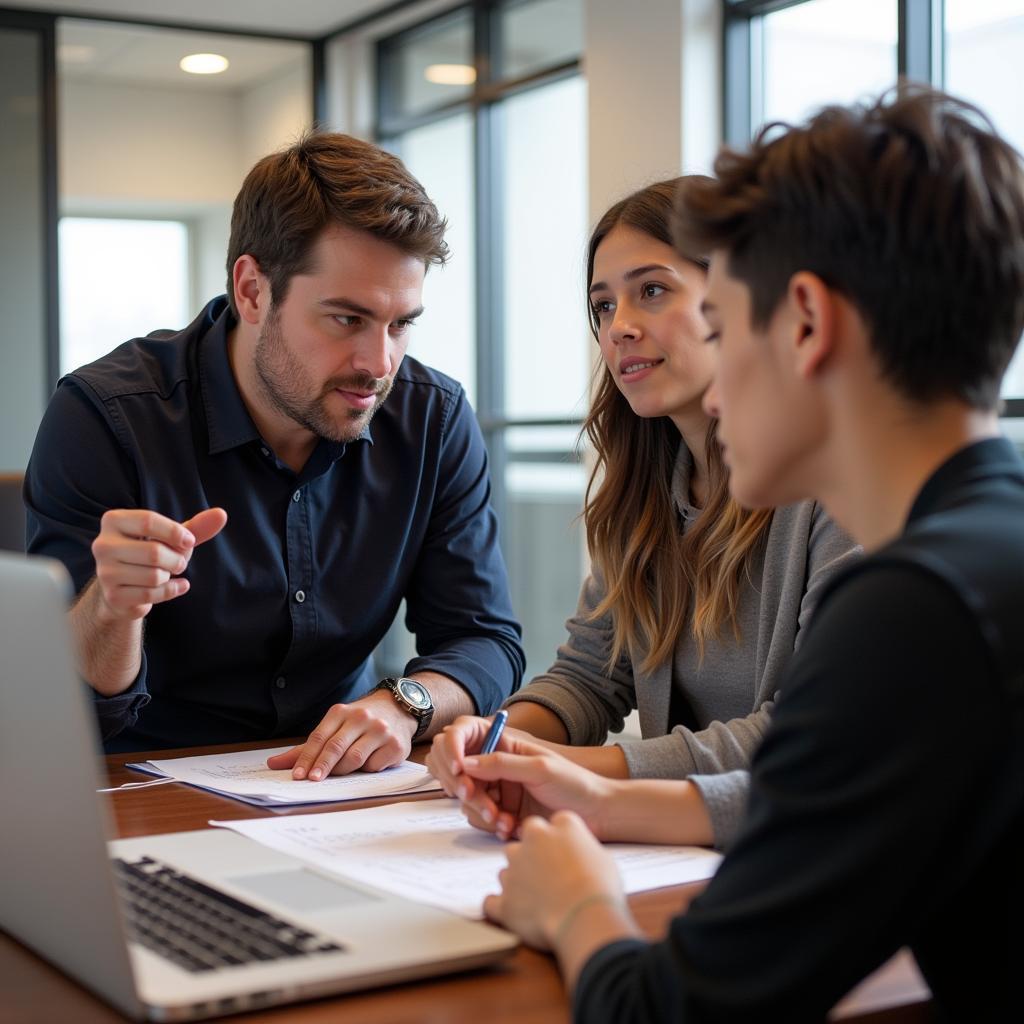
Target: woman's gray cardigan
(804, 548)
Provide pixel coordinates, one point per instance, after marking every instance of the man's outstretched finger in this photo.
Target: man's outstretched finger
(206, 525)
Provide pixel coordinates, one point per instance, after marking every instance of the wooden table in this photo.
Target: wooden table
(526, 988)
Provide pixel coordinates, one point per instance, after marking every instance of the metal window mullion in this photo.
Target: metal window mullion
(318, 72)
(738, 81)
(50, 202)
(489, 153)
(490, 320)
(919, 47)
(757, 8)
(388, 128)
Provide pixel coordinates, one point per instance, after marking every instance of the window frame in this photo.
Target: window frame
(484, 104)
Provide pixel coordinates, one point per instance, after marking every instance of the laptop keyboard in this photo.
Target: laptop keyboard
(200, 928)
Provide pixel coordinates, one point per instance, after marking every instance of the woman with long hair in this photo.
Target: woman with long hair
(693, 605)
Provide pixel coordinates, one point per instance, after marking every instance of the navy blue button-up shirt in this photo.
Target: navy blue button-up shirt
(289, 601)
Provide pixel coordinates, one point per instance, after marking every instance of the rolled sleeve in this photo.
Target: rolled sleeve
(725, 797)
(121, 711)
(589, 699)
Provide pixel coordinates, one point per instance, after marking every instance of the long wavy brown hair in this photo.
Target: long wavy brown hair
(652, 570)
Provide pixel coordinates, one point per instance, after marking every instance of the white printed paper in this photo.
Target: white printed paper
(245, 775)
(427, 851)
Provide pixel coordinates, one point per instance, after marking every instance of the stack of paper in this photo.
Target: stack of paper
(245, 776)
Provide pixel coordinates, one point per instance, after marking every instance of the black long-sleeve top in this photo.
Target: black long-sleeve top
(887, 801)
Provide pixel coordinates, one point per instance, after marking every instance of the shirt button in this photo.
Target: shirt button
(297, 496)
(266, 451)
(300, 596)
(280, 683)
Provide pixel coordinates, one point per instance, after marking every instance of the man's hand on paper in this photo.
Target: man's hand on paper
(140, 556)
(499, 791)
(372, 733)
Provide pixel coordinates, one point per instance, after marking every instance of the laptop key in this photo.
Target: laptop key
(200, 928)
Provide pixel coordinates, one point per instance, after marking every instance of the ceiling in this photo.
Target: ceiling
(113, 54)
(307, 18)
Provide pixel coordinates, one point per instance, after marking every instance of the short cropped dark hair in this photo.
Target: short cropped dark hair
(911, 207)
(289, 198)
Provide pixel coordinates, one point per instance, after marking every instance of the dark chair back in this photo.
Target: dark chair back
(12, 513)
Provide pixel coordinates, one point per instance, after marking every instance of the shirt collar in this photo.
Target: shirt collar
(995, 456)
(228, 421)
(680, 486)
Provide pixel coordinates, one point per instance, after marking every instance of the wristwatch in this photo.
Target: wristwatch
(412, 697)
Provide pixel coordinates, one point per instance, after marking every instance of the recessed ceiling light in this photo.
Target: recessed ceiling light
(203, 63)
(450, 74)
(75, 53)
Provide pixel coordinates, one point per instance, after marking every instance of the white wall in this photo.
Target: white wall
(654, 93)
(274, 114)
(125, 145)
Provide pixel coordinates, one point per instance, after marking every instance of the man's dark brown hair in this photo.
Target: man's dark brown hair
(911, 207)
(327, 179)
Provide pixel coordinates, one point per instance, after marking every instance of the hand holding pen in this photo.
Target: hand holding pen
(466, 735)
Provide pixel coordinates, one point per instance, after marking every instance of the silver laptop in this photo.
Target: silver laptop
(178, 926)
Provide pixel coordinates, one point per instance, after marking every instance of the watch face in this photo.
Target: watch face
(414, 693)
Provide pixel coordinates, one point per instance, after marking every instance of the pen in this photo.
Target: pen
(494, 734)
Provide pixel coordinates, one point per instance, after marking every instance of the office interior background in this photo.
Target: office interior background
(524, 119)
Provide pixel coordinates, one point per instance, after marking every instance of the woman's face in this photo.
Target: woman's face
(646, 299)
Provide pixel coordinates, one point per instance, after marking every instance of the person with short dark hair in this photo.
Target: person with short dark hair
(262, 489)
(865, 295)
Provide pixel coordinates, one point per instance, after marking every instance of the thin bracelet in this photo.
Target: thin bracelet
(573, 912)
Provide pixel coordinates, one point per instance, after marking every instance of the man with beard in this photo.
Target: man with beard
(263, 488)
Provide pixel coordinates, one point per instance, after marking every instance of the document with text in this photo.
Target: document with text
(245, 776)
(427, 851)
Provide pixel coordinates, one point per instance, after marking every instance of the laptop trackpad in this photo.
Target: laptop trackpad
(302, 890)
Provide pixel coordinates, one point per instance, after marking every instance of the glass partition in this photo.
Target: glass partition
(24, 340)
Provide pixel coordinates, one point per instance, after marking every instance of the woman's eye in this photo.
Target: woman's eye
(601, 307)
(652, 290)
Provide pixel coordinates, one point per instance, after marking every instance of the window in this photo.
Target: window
(825, 51)
(119, 279)
(486, 106)
(984, 40)
(441, 155)
(784, 63)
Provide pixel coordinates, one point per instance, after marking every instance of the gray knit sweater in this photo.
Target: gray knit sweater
(730, 693)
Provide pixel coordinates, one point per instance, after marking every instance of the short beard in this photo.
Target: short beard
(286, 385)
